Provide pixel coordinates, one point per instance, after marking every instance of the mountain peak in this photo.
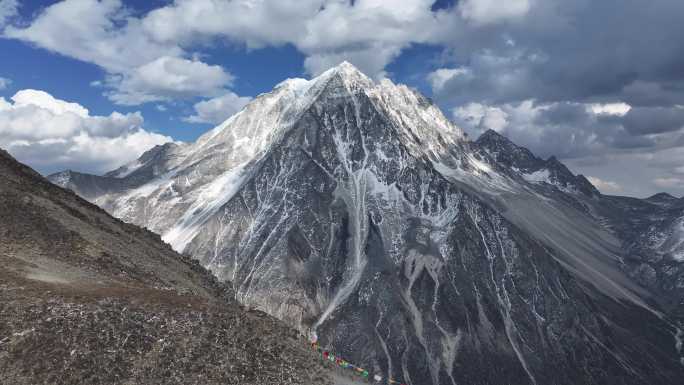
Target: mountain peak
(662, 196)
(492, 135)
(493, 140)
(347, 68)
(505, 150)
(348, 73)
(346, 65)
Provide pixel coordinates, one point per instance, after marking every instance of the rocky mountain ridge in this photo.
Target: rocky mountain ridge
(359, 214)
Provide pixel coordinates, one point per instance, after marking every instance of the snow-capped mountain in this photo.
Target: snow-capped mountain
(358, 213)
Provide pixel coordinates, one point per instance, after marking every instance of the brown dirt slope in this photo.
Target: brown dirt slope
(88, 299)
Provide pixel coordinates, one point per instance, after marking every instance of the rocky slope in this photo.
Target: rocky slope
(86, 298)
(649, 231)
(357, 213)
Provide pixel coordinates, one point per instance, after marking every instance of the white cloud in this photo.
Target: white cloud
(479, 118)
(4, 83)
(590, 143)
(369, 33)
(218, 109)
(370, 60)
(492, 11)
(564, 129)
(617, 109)
(8, 9)
(52, 134)
(254, 23)
(46, 101)
(605, 186)
(439, 77)
(140, 68)
(168, 78)
(99, 32)
(490, 77)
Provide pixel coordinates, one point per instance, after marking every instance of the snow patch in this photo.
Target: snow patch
(676, 242)
(298, 85)
(129, 169)
(62, 179)
(209, 200)
(164, 181)
(539, 176)
(482, 178)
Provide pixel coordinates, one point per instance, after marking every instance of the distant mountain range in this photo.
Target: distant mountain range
(356, 212)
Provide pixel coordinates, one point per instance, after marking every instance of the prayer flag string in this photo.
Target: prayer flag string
(347, 365)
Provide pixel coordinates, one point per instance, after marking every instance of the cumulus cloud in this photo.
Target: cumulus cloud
(544, 77)
(492, 11)
(558, 52)
(551, 50)
(369, 33)
(42, 99)
(52, 134)
(140, 68)
(168, 78)
(218, 109)
(99, 32)
(490, 77)
(254, 23)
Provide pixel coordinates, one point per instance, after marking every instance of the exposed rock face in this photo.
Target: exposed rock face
(516, 160)
(357, 212)
(86, 298)
(650, 231)
(151, 164)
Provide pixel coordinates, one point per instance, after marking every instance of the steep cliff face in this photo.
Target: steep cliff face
(356, 212)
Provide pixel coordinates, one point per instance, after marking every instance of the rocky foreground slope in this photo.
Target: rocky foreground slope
(88, 299)
(356, 212)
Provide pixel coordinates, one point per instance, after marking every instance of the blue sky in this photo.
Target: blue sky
(537, 71)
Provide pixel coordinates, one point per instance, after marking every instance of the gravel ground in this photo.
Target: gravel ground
(88, 299)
